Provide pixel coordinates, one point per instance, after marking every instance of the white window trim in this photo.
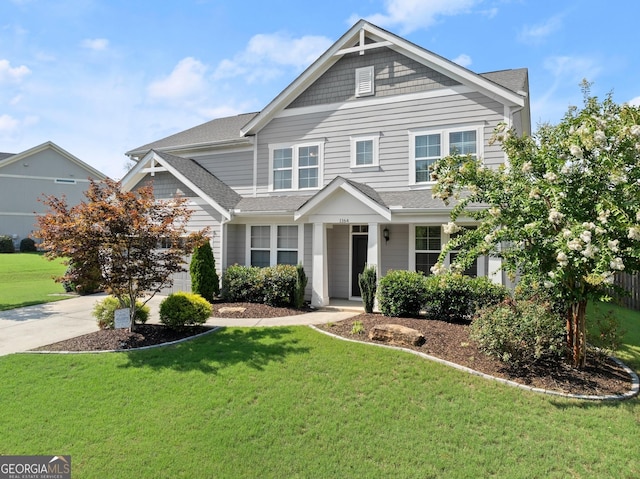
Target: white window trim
(295, 166)
(273, 242)
(375, 139)
(365, 81)
(444, 145)
(444, 239)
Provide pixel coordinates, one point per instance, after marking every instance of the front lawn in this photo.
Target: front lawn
(27, 279)
(291, 402)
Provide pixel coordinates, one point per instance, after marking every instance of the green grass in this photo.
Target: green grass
(293, 403)
(27, 279)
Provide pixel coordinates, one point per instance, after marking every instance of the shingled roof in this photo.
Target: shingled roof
(515, 79)
(213, 187)
(214, 131)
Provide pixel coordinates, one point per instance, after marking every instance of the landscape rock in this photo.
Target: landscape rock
(396, 334)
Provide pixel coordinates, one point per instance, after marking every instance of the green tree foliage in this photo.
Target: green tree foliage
(120, 231)
(562, 213)
(204, 278)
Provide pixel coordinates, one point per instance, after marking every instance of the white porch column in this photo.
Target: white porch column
(319, 282)
(373, 247)
(494, 273)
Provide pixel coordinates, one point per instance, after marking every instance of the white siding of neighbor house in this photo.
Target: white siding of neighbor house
(393, 122)
(24, 182)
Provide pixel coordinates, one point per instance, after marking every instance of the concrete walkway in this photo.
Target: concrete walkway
(27, 328)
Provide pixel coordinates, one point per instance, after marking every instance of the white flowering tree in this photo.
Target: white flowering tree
(563, 213)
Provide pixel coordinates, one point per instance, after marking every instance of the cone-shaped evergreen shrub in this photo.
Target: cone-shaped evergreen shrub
(204, 279)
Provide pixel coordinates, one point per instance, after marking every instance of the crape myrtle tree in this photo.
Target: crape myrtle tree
(563, 213)
(120, 231)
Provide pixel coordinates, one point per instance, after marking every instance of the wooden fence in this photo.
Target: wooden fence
(631, 283)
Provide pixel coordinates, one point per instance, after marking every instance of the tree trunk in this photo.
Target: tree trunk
(577, 333)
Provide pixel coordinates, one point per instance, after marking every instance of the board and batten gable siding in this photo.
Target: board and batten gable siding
(392, 121)
(394, 74)
(235, 168)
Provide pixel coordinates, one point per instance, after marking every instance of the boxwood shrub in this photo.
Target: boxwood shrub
(520, 332)
(281, 285)
(28, 245)
(454, 297)
(401, 293)
(104, 311)
(184, 309)
(6, 244)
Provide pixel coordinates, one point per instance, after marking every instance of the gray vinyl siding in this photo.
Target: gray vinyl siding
(236, 244)
(393, 122)
(307, 261)
(395, 253)
(394, 74)
(235, 168)
(338, 261)
(46, 163)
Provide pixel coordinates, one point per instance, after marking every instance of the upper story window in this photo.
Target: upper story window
(364, 151)
(426, 147)
(295, 167)
(365, 81)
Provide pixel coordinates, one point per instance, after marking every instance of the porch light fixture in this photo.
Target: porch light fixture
(385, 234)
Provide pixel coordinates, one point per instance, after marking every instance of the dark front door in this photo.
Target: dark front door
(359, 245)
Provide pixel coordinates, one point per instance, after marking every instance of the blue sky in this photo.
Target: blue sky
(100, 77)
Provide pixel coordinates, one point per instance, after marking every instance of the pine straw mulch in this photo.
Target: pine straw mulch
(448, 341)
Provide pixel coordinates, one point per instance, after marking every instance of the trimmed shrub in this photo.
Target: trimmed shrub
(401, 293)
(301, 285)
(279, 285)
(242, 284)
(27, 245)
(520, 333)
(6, 245)
(85, 280)
(104, 311)
(367, 280)
(184, 309)
(454, 297)
(204, 279)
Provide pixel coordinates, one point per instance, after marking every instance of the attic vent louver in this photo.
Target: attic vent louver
(364, 81)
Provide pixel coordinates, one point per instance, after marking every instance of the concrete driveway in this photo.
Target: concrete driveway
(27, 328)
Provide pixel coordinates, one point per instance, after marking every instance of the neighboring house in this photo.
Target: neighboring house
(334, 172)
(25, 177)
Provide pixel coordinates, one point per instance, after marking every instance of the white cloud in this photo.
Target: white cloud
(463, 60)
(9, 73)
(634, 101)
(411, 15)
(572, 69)
(96, 44)
(8, 124)
(186, 80)
(537, 33)
(266, 54)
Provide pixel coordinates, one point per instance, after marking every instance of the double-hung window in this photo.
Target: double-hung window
(472, 270)
(428, 243)
(273, 244)
(364, 151)
(295, 167)
(428, 146)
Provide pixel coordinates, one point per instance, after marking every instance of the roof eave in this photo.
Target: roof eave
(240, 141)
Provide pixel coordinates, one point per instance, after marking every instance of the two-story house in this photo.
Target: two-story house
(334, 172)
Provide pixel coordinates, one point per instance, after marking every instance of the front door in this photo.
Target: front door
(359, 246)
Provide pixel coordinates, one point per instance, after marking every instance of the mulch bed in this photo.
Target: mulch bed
(448, 341)
(451, 342)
